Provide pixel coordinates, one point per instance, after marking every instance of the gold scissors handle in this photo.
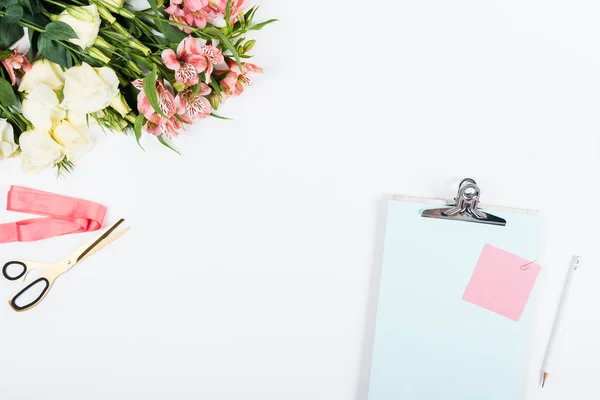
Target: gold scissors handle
(17, 270)
(44, 282)
(41, 285)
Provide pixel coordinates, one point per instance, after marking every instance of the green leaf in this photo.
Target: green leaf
(226, 42)
(228, 14)
(220, 117)
(27, 5)
(59, 31)
(137, 129)
(7, 94)
(53, 51)
(70, 60)
(34, 36)
(249, 16)
(64, 167)
(239, 42)
(9, 33)
(216, 87)
(171, 33)
(4, 54)
(38, 19)
(8, 3)
(261, 25)
(154, 7)
(32, 6)
(164, 143)
(141, 61)
(13, 13)
(150, 91)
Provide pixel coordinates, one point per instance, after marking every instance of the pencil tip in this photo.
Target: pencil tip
(544, 377)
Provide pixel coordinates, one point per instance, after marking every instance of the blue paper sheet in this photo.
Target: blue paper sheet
(429, 343)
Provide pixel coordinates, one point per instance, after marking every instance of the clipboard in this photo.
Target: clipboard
(431, 344)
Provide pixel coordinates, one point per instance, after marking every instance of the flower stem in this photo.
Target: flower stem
(175, 23)
(73, 49)
(56, 3)
(63, 5)
(146, 29)
(31, 25)
(26, 23)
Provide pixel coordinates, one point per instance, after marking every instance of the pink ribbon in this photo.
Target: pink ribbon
(64, 215)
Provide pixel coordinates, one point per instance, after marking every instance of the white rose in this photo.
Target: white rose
(42, 71)
(85, 21)
(80, 120)
(39, 150)
(42, 109)
(75, 140)
(7, 139)
(88, 89)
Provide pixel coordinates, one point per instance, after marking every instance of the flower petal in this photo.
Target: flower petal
(187, 75)
(39, 150)
(204, 89)
(181, 53)
(209, 70)
(7, 139)
(89, 89)
(195, 5)
(170, 59)
(11, 72)
(199, 62)
(193, 46)
(229, 81)
(41, 108)
(252, 68)
(74, 140)
(153, 129)
(42, 71)
(138, 83)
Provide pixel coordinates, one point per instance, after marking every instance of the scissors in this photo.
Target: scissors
(52, 271)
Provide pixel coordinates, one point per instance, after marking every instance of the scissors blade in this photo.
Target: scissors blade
(105, 242)
(98, 241)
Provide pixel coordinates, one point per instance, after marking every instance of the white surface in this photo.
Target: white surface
(252, 265)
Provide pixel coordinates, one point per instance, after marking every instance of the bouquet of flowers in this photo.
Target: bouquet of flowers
(100, 62)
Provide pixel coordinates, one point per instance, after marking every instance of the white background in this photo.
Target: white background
(252, 264)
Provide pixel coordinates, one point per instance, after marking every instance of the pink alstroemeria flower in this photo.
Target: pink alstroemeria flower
(157, 124)
(192, 106)
(195, 5)
(191, 13)
(177, 15)
(198, 18)
(189, 61)
(166, 102)
(15, 62)
(236, 79)
(213, 57)
(236, 7)
(168, 128)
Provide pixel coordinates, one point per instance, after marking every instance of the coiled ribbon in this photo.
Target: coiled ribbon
(63, 215)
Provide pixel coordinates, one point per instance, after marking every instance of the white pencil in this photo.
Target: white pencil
(547, 363)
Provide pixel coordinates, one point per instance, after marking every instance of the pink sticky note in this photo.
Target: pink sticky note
(502, 282)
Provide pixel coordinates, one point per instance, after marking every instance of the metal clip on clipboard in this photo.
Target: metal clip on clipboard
(465, 207)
